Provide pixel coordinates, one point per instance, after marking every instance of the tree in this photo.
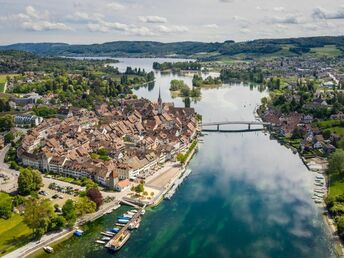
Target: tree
(25, 180)
(95, 195)
(6, 206)
(57, 223)
(29, 180)
(140, 188)
(340, 226)
(37, 216)
(181, 157)
(336, 162)
(88, 183)
(9, 137)
(69, 212)
(84, 206)
(6, 123)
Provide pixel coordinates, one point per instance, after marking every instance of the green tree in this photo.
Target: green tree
(336, 162)
(69, 212)
(28, 181)
(57, 222)
(6, 123)
(37, 215)
(6, 206)
(84, 206)
(9, 137)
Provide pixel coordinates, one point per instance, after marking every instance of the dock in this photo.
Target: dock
(122, 233)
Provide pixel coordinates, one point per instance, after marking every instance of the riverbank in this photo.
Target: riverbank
(31, 248)
(316, 165)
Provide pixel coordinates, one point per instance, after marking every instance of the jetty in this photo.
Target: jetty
(123, 234)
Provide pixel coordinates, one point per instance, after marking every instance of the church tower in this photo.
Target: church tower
(160, 103)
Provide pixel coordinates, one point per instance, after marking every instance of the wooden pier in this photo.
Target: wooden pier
(121, 234)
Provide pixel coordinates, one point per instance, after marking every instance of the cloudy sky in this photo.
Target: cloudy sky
(95, 21)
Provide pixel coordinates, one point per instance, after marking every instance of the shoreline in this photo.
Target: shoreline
(329, 222)
(89, 218)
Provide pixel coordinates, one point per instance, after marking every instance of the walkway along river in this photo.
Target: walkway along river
(247, 195)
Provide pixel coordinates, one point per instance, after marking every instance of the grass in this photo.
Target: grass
(327, 50)
(3, 78)
(336, 185)
(13, 232)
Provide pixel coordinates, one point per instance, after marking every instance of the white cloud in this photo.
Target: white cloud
(35, 20)
(172, 29)
(279, 9)
(211, 26)
(289, 19)
(153, 19)
(320, 13)
(131, 29)
(44, 25)
(115, 6)
(83, 16)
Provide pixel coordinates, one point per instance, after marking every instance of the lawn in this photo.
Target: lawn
(327, 50)
(13, 232)
(3, 78)
(336, 186)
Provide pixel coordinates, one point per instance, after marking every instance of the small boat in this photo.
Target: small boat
(123, 217)
(48, 249)
(318, 201)
(319, 184)
(319, 191)
(134, 211)
(128, 216)
(123, 221)
(143, 212)
(107, 233)
(78, 232)
(115, 230)
(131, 213)
(100, 242)
(106, 238)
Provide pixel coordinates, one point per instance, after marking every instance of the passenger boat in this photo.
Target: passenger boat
(118, 242)
(48, 249)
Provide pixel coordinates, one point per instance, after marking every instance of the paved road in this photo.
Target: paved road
(11, 185)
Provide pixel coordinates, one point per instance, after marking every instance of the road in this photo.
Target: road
(11, 185)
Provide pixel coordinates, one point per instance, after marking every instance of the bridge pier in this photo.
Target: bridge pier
(249, 126)
(218, 127)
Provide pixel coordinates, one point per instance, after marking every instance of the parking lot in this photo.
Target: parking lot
(58, 192)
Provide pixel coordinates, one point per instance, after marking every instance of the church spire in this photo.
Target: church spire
(159, 103)
(159, 98)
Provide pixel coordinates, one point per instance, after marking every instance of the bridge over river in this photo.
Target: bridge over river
(215, 126)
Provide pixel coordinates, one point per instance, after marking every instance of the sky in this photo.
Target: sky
(98, 21)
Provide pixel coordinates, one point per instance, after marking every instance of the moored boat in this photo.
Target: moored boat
(100, 242)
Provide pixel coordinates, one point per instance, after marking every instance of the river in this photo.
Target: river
(247, 196)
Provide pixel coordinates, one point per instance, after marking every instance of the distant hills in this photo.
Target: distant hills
(320, 46)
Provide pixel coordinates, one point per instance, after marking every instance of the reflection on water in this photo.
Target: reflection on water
(247, 196)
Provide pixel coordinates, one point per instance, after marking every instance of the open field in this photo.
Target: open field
(327, 50)
(13, 234)
(3, 78)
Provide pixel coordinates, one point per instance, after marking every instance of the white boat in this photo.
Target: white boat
(100, 242)
(128, 215)
(134, 211)
(106, 238)
(48, 249)
(131, 213)
(143, 212)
